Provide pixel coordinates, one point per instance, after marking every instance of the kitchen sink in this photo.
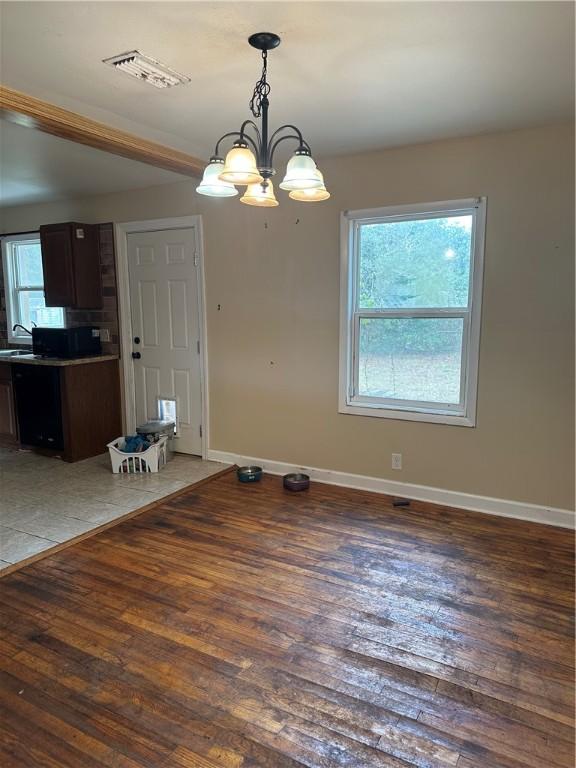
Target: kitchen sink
(14, 352)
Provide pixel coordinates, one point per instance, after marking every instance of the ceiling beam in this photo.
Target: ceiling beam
(22, 109)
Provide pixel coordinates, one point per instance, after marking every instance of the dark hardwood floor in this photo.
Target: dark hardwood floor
(242, 625)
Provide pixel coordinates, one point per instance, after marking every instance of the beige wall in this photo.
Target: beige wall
(273, 345)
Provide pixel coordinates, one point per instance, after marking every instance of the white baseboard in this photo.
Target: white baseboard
(502, 507)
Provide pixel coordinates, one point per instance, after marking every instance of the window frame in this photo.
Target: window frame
(349, 402)
(12, 288)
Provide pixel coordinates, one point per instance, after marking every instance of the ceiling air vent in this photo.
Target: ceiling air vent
(144, 68)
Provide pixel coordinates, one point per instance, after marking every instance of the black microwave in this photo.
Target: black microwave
(66, 342)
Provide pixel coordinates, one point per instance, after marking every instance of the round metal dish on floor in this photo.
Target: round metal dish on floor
(249, 474)
(296, 481)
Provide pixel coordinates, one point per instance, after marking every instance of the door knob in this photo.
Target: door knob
(136, 339)
(136, 355)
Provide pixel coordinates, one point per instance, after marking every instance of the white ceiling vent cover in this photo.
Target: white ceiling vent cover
(145, 68)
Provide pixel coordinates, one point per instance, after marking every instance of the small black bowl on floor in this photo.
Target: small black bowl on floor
(296, 481)
(249, 474)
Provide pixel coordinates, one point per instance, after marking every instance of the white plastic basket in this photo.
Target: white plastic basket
(150, 460)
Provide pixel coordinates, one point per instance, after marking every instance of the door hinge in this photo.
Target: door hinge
(200, 430)
(198, 347)
(196, 260)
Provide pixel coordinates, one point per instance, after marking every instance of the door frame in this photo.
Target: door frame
(121, 232)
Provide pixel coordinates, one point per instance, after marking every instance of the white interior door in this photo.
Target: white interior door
(163, 278)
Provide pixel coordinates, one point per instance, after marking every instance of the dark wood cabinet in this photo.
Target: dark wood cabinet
(8, 433)
(71, 264)
(71, 410)
(91, 408)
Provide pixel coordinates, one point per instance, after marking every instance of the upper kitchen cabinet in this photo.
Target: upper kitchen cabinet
(71, 264)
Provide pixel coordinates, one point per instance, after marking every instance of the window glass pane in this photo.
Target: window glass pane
(419, 263)
(33, 309)
(411, 359)
(29, 261)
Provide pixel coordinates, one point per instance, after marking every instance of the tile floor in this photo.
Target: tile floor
(44, 501)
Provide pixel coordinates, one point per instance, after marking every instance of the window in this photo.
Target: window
(410, 311)
(24, 286)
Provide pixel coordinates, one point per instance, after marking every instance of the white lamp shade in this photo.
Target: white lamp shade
(311, 194)
(260, 194)
(301, 173)
(211, 185)
(240, 167)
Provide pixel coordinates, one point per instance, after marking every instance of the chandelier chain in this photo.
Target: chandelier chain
(261, 89)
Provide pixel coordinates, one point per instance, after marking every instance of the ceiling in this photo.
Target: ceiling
(38, 168)
(353, 76)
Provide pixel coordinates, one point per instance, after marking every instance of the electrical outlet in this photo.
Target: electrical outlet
(396, 461)
(104, 334)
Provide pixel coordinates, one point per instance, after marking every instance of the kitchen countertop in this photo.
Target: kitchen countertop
(37, 360)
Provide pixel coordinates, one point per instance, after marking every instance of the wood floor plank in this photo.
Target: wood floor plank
(240, 626)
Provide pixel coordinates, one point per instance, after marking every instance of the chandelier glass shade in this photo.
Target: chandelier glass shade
(250, 160)
(301, 173)
(212, 185)
(240, 167)
(311, 194)
(261, 194)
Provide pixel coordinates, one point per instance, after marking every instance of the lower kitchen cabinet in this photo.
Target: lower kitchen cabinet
(8, 432)
(73, 410)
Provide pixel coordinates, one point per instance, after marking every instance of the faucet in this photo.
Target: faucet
(19, 325)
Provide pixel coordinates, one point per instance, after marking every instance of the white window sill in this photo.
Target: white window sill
(431, 417)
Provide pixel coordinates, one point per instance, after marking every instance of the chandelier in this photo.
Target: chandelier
(250, 161)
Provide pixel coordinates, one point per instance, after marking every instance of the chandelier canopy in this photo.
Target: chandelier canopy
(250, 161)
